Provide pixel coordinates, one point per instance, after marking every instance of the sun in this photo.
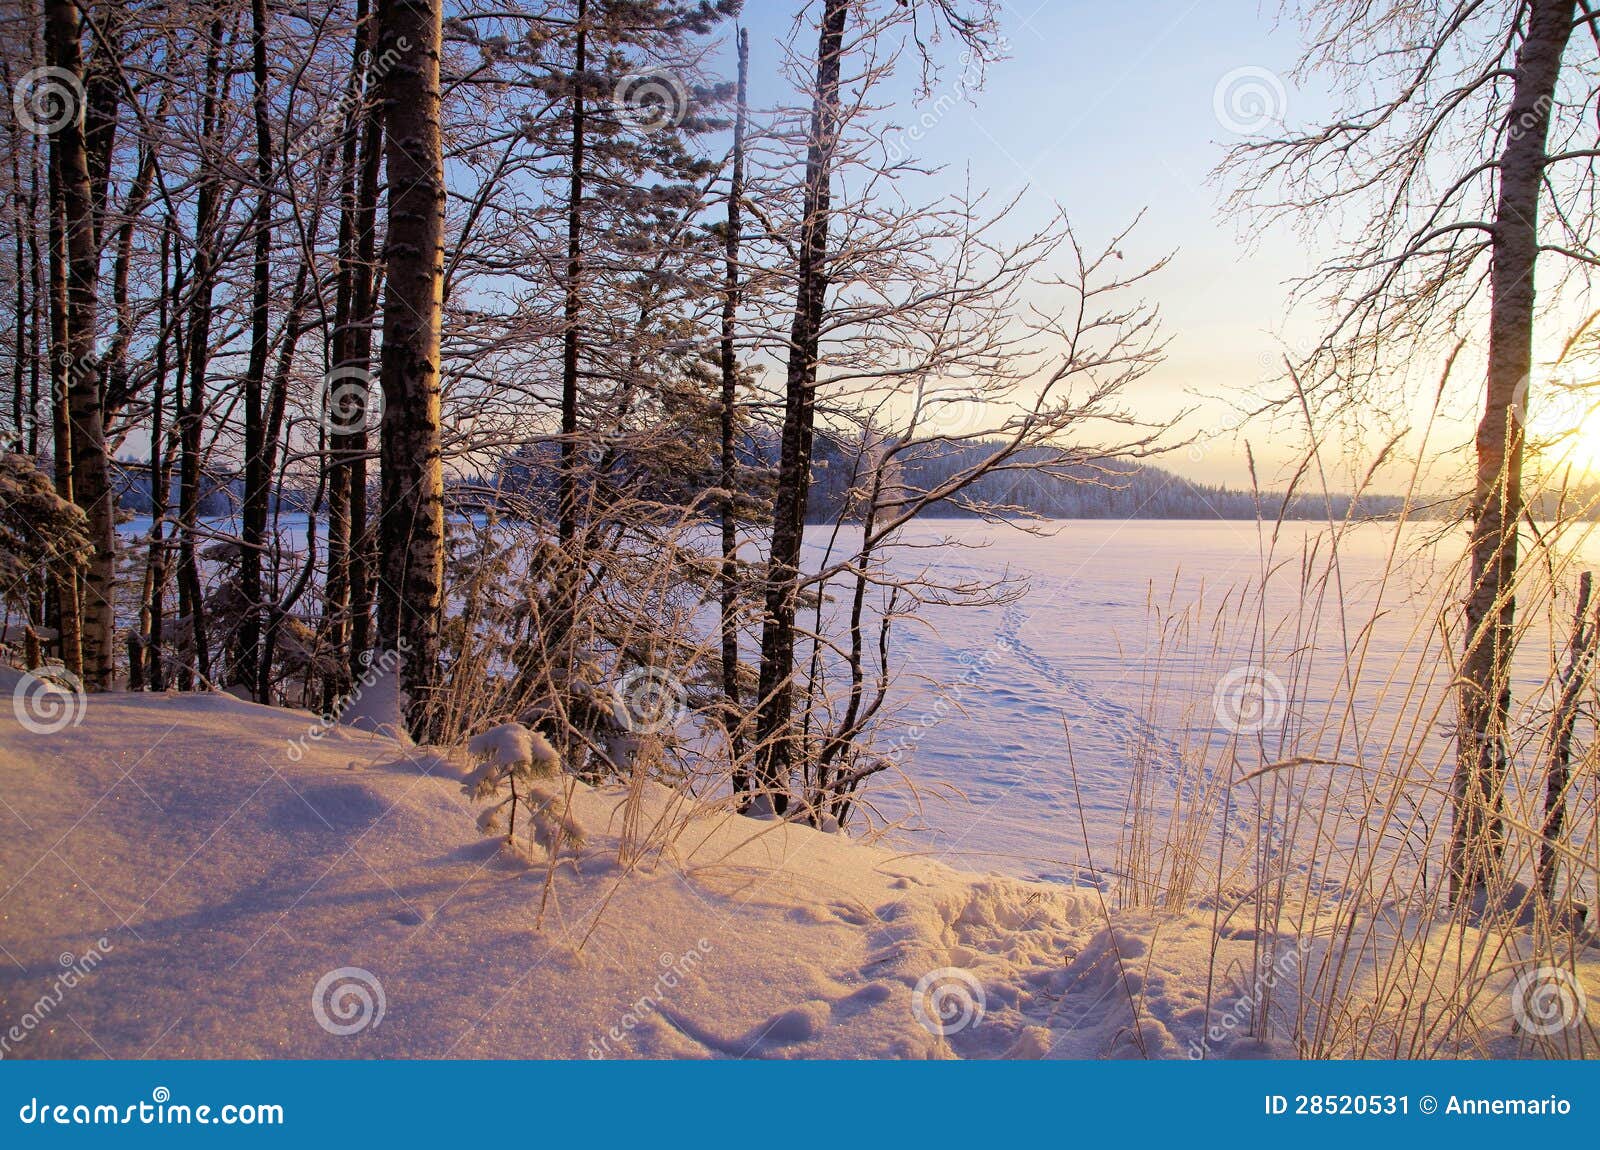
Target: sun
(1564, 431)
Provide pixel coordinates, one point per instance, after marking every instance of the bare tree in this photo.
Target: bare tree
(776, 693)
(346, 599)
(728, 414)
(246, 668)
(1460, 126)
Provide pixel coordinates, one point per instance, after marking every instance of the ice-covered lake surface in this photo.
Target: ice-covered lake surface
(1133, 639)
(1016, 725)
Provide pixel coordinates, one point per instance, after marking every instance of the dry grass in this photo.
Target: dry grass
(1320, 830)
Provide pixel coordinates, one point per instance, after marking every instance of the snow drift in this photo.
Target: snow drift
(239, 902)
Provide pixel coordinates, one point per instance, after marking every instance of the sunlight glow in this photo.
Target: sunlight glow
(1564, 430)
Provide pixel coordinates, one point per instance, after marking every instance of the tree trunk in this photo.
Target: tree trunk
(68, 598)
(363, 300)
(560, 629)
(412, 529)
(730, 380)
(116, 394)
(349, 439)
(1558, 767)
(253, 529)
(276, 407)
(25, 348)
(191, 595)
(156, 608)
(1477, 840)
(774, 716)
(102, 83)
(336, 590)
(36, 297)
(91, 472)
(573, 303)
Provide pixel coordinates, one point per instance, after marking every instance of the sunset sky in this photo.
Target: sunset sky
(1110, 109)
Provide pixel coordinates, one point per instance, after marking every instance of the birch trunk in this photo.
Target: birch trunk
(411, 532)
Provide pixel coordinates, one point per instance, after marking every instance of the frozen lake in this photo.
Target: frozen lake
(1127, 636)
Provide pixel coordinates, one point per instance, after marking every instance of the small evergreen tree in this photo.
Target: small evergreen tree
(510, 756)
(43, 537)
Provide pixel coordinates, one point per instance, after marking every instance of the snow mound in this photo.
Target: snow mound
(512, 743)
(205, 856)
(376, 701)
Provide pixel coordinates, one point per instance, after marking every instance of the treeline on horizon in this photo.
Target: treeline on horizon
(1112, 489)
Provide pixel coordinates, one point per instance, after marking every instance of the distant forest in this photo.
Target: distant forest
(1063, 489)
(1115, 489)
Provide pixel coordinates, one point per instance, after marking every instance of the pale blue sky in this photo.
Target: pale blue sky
(1109, 108)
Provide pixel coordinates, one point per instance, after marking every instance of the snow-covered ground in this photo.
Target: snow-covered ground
(195, 876)
(212, 884)
(198, 876)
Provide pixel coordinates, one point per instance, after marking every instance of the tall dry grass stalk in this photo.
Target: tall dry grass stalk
(1317, 827)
